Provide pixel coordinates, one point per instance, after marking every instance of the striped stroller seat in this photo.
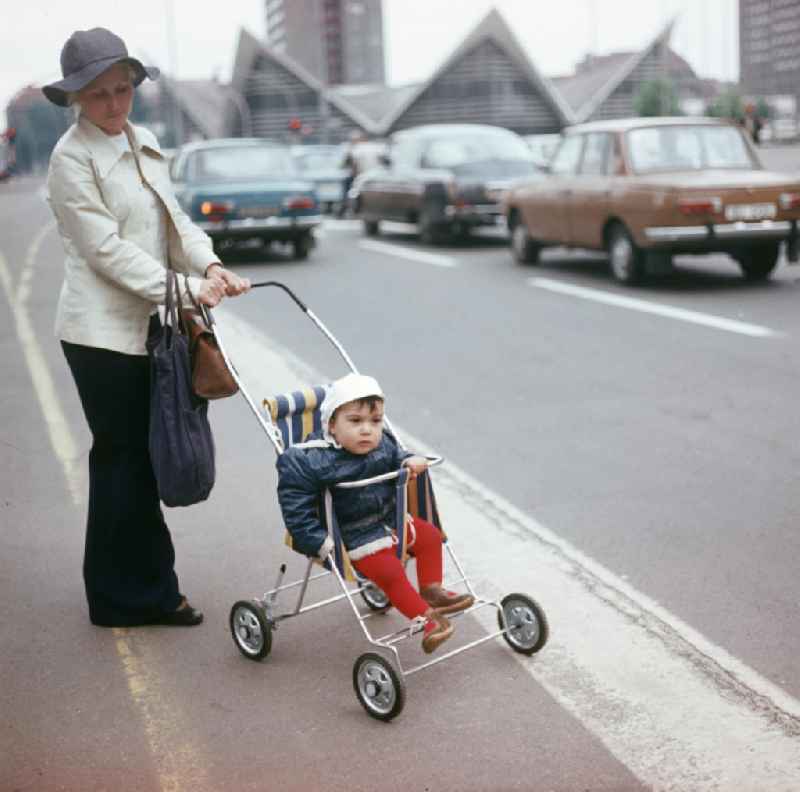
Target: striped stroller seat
(296, 415)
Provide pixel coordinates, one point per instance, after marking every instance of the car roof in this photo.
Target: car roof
(315, 148)
(433, 130)
(230, 143)
(626, 124)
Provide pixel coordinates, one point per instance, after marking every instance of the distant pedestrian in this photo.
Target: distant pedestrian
(351, 166)
(758, 126)
(120, 223)
(753, 123)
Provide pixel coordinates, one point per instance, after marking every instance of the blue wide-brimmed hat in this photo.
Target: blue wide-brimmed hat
(85, 56)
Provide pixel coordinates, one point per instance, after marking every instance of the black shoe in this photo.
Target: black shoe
(184, 616)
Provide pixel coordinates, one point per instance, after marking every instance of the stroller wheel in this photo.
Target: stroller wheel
(372, 595)
(527, 625)
(251, 631)
(380, 690)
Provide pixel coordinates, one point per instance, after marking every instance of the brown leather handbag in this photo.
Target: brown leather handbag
(211, 377)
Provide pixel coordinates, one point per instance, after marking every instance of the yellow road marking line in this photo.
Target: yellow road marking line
(61, 438)
(177, 764)
(26, 276)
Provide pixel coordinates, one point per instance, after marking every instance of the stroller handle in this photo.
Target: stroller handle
(299, 302)
(432, 462)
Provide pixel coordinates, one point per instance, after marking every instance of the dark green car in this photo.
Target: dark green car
(241, 189)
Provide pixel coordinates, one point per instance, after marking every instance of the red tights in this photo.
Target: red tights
(386, 571)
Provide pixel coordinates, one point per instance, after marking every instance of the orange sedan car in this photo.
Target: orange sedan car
(644, 189)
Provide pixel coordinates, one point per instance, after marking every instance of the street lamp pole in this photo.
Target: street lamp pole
(172, 48)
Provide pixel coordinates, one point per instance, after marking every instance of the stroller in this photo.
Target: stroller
(378, 676)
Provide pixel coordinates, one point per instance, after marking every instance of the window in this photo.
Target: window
(673, 148)
(318, 159)
(724, 148)
(616, 162)
(459, 149)
(240, 162)
(405, 154)
(595, 153)
(566, 158)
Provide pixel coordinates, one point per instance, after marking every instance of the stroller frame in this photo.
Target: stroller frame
(379, 684)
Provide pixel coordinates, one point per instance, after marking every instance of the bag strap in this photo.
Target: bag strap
(150, 187)
(171, 300)
(202, 310)
(173, 295)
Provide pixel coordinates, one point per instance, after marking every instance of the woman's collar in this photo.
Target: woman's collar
(105, 153)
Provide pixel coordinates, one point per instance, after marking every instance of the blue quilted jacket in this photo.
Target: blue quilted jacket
(365, 514)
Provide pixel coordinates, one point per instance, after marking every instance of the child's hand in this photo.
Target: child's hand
(416, 464)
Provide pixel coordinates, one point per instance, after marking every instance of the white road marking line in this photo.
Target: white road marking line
(64, 445)
(412, 255)
(659, 309)
(680, 712)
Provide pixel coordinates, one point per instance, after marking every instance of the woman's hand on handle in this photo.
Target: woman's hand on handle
(212, 290)
(232, 283)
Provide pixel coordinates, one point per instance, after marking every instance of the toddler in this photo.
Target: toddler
(353, 445)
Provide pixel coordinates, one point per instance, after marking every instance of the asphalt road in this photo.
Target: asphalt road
(661, 452)
(664, 449)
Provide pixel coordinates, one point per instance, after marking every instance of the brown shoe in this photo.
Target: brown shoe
(445, 601)
(437, 630)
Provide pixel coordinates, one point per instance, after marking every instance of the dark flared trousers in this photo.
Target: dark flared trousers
(128, 564)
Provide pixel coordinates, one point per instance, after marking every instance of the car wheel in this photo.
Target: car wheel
(627, 260)
(430, 232)
(372, 227)
(757, 263)
(302, 246)
(523, 247)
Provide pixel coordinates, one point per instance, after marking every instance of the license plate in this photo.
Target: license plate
(258, 211)
(761, 211)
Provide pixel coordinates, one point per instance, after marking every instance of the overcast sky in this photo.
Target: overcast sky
(419, 34)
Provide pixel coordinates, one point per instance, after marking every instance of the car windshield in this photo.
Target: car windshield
(241, 162)
(690, 147)
(462, 149)
(319, 160)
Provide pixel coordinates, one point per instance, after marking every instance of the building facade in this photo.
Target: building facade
(608, 86)
(339, 42)
(769, 47)
(287, 103)
(487, 79)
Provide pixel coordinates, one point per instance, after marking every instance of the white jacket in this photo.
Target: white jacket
(113, 229)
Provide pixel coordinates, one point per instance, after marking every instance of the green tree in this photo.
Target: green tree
(727, 105)
(657, 98)
(762, 108)
(39, 125)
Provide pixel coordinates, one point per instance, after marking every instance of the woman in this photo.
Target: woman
(120, 223)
